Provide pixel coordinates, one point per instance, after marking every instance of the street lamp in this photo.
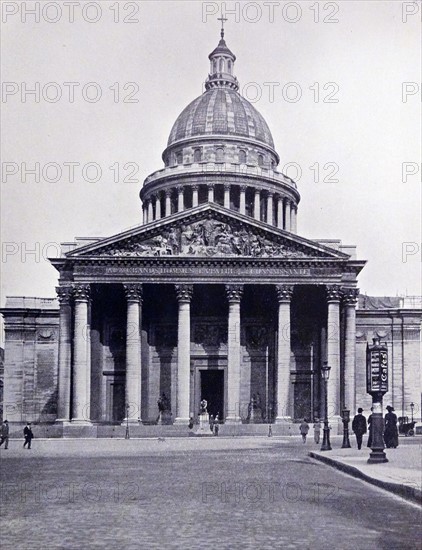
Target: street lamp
(127, 436)
(412, 405)
(325, 372)
(345, 414)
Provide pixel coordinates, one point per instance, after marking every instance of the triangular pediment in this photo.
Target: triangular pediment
(206, 231)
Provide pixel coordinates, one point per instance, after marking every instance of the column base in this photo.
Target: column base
(131, 422)
(61, 420)
(283, 420)
(179, 421)
(233, 420)
(79, 422)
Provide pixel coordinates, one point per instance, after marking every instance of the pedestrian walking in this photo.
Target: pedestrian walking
(369, 444)
(216, 424)
(304, 429)
(391, 435)
(359, 427)
(4, 433)
(28, 435)
(317, 430)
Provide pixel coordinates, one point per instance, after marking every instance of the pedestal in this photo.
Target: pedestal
(204, 425)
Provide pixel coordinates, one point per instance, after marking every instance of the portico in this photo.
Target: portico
(166, 304)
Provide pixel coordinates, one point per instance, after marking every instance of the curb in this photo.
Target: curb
(406, 492)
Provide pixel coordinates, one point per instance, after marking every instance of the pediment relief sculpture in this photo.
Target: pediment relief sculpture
(205, 238)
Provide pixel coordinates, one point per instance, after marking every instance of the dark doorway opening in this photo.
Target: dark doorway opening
(212, 389)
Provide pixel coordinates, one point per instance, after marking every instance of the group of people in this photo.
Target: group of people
(304, 429)
(27, 434)
(360, 426)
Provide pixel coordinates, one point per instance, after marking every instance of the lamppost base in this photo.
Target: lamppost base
(377, 457)
(326, 445)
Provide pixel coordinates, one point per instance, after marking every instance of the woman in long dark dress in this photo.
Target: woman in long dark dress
(391, 435)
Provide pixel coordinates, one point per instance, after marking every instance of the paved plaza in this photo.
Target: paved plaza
(192, 493)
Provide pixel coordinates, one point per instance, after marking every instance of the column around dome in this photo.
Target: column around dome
(256, 204)
(242, 201)
(280, 212)
(287, 221)
(180, 198)
(194, 196)
(270, 219)
(167, 193)
(157, 206)
(211, 192)
(227, 195)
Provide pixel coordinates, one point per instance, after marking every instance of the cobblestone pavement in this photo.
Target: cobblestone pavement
(192, 493)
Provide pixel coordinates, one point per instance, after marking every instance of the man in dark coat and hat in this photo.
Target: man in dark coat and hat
(359, 427)
(28, 435)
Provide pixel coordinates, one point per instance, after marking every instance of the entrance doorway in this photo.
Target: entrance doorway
(212, 389)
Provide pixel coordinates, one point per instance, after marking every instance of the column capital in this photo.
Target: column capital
(133, 292)
(227, 186)
(180, 188)
(243, 187)
(284, 292)
(64, 293)
(333, 293)
(234, 293)
(210, 185)
(184, 292)
(195, 187)
(350, 296)
(81, 292)
(167, 192)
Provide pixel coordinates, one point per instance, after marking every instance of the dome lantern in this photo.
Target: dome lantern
(221, 65)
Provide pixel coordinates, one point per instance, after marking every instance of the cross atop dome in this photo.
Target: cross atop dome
(222, 63)
(222, 19)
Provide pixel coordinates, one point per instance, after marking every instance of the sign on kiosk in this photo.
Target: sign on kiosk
(376, 367)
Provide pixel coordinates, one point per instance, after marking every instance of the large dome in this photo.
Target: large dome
(222, 112)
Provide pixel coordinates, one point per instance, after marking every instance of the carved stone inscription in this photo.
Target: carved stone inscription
(204, 270)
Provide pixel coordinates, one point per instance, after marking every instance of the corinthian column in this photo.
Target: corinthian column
(226, 195)
(81, 405)
(333, 348)
(270, 208)
(210, 192)
(280, 212)
(167, 194)
(350, 298)
(133, 353)
(287, 220)
(150, 211)
(195, 201)
(157, 206)
(242, 201)
(284, 296)
(65, 350)
(184, 296)
(294, 219)
(234, 295)
(180, 198)
(257, 205)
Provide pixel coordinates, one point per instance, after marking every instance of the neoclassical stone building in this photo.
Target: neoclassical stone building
(214, 296)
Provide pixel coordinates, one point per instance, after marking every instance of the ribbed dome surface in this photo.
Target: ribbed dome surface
(221, 112)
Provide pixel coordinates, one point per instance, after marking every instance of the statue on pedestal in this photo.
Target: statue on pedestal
(164, 410)
(204, 419)
(255, 410)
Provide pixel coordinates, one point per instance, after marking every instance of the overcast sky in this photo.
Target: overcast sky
(366, 135)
